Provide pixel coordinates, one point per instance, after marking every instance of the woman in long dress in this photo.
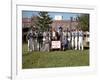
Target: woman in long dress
(30, 41)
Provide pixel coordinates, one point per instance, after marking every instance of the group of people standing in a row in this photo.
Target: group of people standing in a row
(41, 41)
(77, 39)
(38, 40)
(70, 39)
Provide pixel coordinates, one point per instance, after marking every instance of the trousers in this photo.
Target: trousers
(80, 43)
(76, 40)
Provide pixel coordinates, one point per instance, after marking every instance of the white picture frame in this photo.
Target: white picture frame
(18, 73)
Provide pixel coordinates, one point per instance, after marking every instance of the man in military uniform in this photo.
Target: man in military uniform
(69, 38)
(76, 39)
(80, 42)
(64, 40)
(40, 40)
(72, 38)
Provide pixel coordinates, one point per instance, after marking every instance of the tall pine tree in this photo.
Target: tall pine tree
(44, 21)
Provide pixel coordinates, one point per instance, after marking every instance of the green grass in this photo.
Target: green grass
(68, 58)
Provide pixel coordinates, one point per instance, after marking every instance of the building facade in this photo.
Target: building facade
(65, 24)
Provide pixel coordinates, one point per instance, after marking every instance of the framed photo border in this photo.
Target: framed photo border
(14, 57)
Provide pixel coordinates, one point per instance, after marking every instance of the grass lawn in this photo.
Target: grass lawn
(68, 58)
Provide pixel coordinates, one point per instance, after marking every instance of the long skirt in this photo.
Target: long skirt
(30, 45)
(46, 47)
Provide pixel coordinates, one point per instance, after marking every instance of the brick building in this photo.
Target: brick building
(65, 24)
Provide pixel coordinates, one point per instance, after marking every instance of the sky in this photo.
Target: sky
(65, 15)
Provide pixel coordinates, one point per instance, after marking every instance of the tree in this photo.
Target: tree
(44, 21)
(83, 22)
(33, 20)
